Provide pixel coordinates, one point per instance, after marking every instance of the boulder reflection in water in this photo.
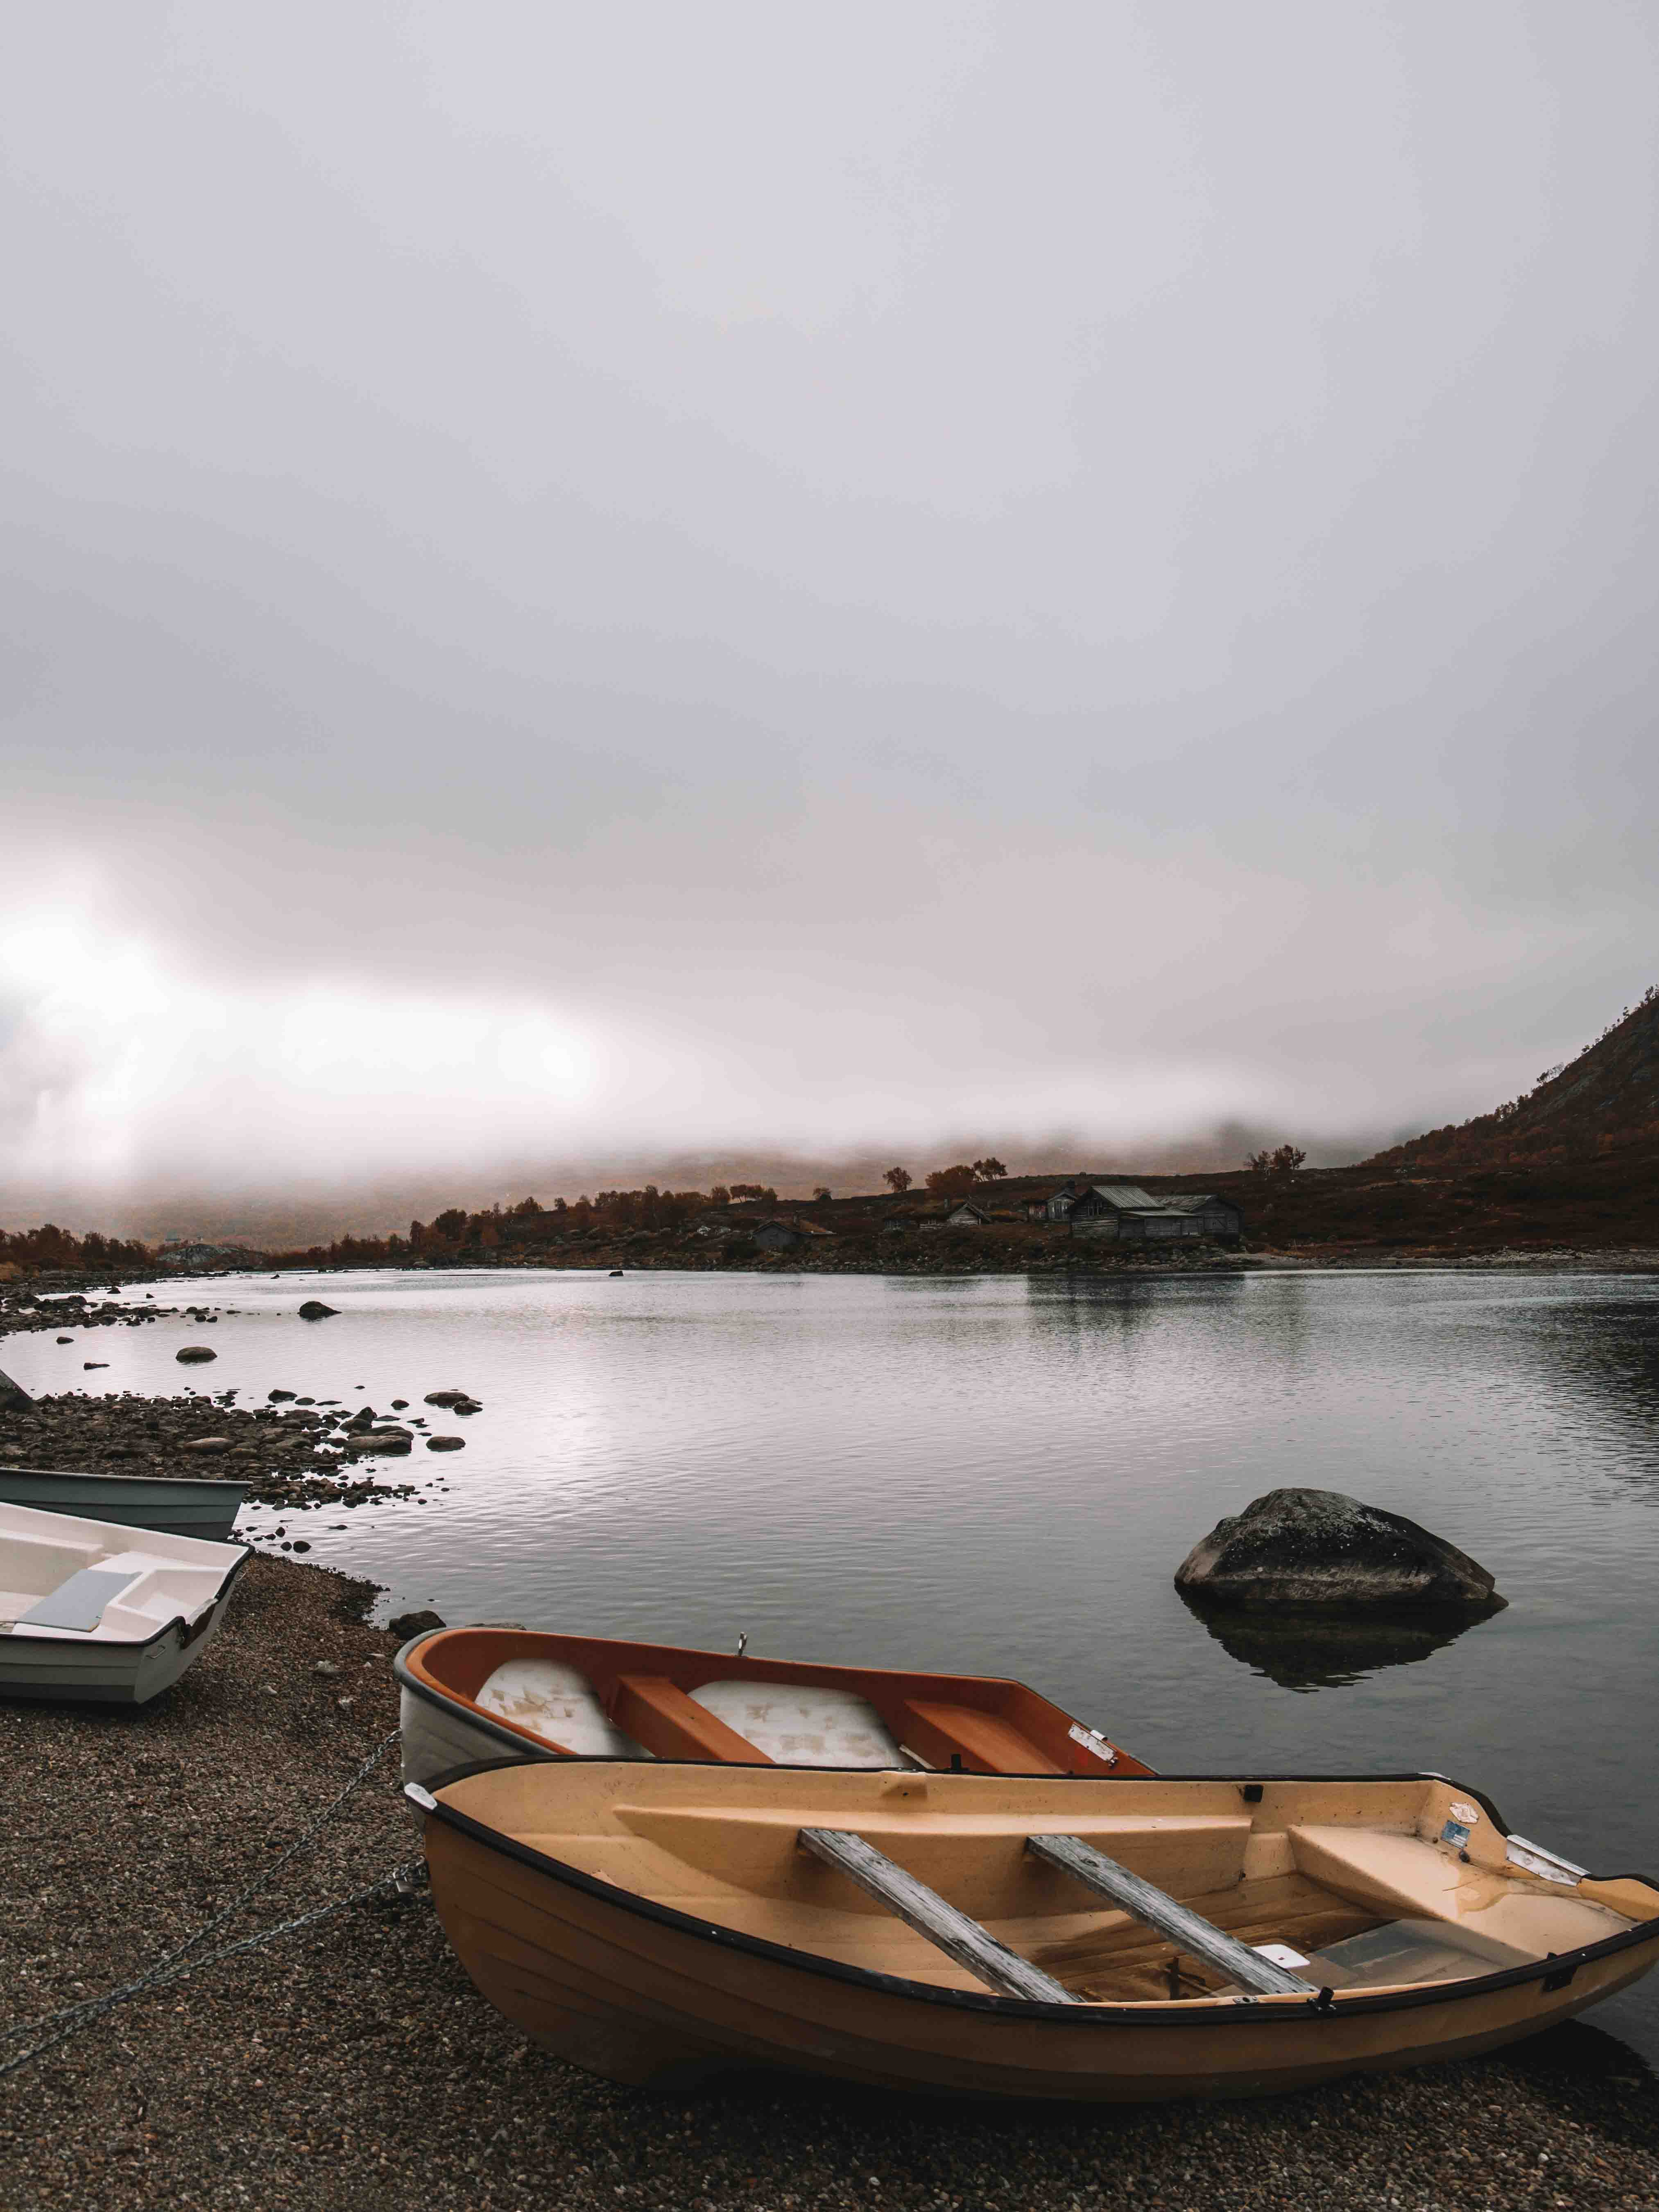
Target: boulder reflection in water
(1314, 1651)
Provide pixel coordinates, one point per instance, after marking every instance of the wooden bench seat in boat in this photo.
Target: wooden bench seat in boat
(1405, 1876)
(671, 1725)
(983, 1743)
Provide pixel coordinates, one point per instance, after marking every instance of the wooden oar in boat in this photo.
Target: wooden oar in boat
(467, 1694)
(1058, 1936)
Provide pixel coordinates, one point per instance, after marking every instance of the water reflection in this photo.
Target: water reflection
(1314, 1652)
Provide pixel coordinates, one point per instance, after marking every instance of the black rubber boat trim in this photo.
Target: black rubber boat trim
(1252, 2011)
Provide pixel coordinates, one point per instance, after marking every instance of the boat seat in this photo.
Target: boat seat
(671, 1725)
(797, 1725)
(556, 1704)
(79, 1603)
(984, 1744)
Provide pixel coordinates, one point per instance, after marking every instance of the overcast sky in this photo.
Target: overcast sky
(584, 580)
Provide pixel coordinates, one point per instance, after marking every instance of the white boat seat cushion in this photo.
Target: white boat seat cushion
(556, 1704)
(797, 1725)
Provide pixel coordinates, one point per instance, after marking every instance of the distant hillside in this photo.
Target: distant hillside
(1607, 1097)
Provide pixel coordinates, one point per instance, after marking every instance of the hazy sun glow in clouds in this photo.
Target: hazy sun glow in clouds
(119, 1068)
(116, 1066)
(633, 584)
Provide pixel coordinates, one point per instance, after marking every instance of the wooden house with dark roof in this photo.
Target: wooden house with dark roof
(1125, 1211)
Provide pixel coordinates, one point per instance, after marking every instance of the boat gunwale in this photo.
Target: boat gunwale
(93, 1641)
(1324, 2005)
(204, 1482)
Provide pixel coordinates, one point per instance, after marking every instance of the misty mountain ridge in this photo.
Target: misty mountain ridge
(294, 1218)
(1608, 1096)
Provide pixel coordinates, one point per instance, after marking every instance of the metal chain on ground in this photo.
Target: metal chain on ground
(158, 1971)
(180, 1970)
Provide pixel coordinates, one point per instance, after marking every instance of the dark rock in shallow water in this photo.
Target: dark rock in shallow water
(1317, 1550)
(415, 1624)
(193, 1354)
(446, 1443)
(314, 1309)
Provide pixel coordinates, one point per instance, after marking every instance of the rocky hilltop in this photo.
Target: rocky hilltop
(1607, 1097)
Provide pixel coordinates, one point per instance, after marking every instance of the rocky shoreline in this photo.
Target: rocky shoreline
(350, 2062)
(290, 1462)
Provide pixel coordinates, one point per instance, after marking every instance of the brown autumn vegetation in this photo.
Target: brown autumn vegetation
(1603, 1100)
(39, 1251)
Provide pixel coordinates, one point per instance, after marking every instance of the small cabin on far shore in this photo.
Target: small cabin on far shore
(1126, 1212)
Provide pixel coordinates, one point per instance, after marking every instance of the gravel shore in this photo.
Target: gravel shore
(299, 1455)
(351, 2064)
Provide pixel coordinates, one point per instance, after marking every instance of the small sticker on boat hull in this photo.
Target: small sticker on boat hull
(1091, 1739)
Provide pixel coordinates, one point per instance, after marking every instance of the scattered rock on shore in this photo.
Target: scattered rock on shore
(415, 1624)
(388, 1439)
(1317, 1549)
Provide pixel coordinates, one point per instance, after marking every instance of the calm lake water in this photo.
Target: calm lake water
(1001, 1476)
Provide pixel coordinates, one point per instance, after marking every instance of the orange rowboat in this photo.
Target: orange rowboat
(1014, 1935)
(468, 1695)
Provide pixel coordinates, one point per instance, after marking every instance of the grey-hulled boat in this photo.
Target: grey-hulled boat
(174, 1506)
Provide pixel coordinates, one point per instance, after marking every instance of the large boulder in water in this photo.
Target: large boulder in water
(1317, 1550)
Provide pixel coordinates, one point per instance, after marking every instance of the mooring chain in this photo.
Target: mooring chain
(399, 1880)
(169, 1967)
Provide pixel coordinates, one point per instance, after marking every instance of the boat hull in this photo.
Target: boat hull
(172, 1505)
(745, 1951)
(438, 1736)
(658, 2007)
(53, 1670)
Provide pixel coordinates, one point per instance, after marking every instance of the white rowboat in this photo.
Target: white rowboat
(91, 1611)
